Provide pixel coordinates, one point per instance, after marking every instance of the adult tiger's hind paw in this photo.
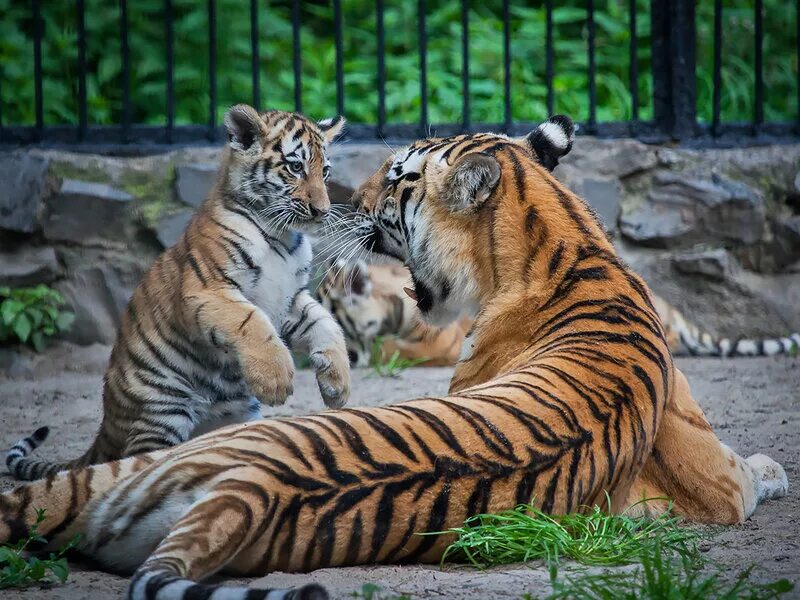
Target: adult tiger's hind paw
(770, 477)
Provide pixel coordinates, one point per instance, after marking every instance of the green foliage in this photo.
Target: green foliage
(370, 591)
(661, 576)
(391, 366)
(19, 570)
(32, 315)
(528, 90)
(595, 538)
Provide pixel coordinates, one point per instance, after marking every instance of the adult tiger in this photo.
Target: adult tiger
(370, 302)
(204, 339)
(569, 392)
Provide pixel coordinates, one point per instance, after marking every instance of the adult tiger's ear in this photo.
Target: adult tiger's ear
(244, 127)
(331, 128)
(551, 140)
(470, 181)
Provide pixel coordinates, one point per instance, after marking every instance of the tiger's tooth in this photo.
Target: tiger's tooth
(410, 293)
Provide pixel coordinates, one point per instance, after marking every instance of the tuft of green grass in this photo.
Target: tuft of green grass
(662, 576)
(19, 570)
(370, 591)
(392, 366)
(594, 538)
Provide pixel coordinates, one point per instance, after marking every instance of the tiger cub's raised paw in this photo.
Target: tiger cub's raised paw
(333, 375)
(270, 374)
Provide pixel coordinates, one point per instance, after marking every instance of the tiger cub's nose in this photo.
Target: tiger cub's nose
(316, 213)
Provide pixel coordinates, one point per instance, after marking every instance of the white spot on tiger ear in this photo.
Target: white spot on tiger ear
(555, 134)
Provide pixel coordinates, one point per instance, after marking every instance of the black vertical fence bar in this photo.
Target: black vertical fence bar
(592, 124)
(758, 113)
(423, 69)
(715, 101)
(169, 32)
(506, 66)
(339, 41)
(126, 71)
(633, 70)
(212, 70)
(672, 38)
(465, 109)
(381, 67)
(296, 58)
(548, 53)
(37, 66)
(254, 58)
(82, 120)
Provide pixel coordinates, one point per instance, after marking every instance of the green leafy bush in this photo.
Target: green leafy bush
(19, 570)
(32, 315)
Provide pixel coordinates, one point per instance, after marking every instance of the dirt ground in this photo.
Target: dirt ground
(754, 405)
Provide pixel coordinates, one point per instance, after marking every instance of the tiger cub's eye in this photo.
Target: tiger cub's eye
(296, 167)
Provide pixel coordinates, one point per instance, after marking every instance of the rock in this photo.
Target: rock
(98, 297)
(83, 212)
(681, 211)
(194, 182)
(351, 165)
(604, 196)
(170, 227)
(715, 263)
(25, 185)
(16, 362)
(797, 182)
(28, 265)
(611, 158)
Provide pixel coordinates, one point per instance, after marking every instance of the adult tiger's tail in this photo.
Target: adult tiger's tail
(29, 469)
(163, 585)
(684, 337)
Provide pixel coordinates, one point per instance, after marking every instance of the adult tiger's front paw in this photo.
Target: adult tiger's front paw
(270, 374)
(333, 375)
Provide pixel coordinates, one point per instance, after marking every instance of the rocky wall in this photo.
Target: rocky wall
(716, 232)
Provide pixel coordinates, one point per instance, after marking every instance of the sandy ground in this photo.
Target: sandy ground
(752, 403)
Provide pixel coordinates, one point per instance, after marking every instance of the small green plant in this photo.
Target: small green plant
(19, 570)
(370, 591)
(394, 365)
(595, 538)
(662, 576)
(793, 350)
(32, 315)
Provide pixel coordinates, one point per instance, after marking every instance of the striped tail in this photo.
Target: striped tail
(30, 469)
(163, 585)
(685, 338)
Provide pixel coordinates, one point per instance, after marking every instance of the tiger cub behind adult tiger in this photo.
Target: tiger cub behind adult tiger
(205, 335)
(569, 399)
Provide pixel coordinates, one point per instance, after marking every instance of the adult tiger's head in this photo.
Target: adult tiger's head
(277, 164)
(466, 213)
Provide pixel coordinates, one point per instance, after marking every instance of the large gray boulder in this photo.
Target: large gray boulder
(169, 228)
(88, 213)
(681, 211)
(28, 266)
(25, 184)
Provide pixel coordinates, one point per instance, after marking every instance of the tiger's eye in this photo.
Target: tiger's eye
(326, 172)
(296, 167)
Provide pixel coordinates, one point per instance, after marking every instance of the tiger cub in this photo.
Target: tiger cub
(370, 305)
(370, 301)
(207, 333)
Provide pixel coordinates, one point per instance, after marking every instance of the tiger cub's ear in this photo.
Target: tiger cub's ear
(331, 128)
(470, 181)
(244, 127)
(552, 139)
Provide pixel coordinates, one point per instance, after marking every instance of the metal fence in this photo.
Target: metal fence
(673, 61)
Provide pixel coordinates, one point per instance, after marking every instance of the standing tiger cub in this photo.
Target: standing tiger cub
(207, 332)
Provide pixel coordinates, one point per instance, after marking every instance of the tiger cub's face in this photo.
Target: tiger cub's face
(278, 165)
(430, 206)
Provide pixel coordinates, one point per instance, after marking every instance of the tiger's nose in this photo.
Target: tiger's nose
(316, 213)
